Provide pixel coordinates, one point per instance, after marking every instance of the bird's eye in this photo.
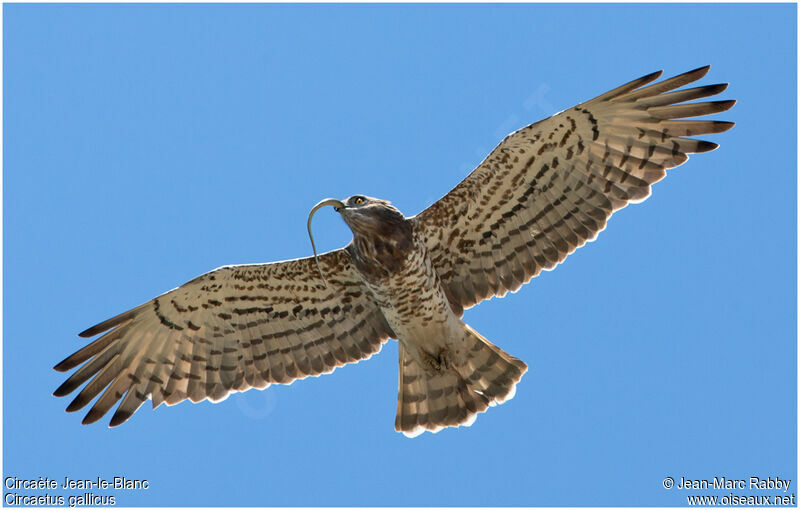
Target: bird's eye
(358, 200)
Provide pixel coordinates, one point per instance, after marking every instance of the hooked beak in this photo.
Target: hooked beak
(337, 206)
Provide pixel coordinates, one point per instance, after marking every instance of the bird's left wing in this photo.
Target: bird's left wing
(228, 330)
(550, 187)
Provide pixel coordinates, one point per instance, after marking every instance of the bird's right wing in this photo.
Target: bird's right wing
(550, 187)
(228, 330)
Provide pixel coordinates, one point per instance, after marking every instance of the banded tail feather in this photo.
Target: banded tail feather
(451, 396)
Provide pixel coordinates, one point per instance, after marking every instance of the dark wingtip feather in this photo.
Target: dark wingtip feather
(711, 90)
(63, 365)
(60, 392)
(651, 77)
(718, 87)
(71, 361)
(696, 74)
(722, 126)
(703, 146)
(77, 403)
(624, 89)
(92, 416)
(66, 388)
(711, 107)
(119, 418)
(110, 323)
(94, 330)
(644, 80)
(78, 357)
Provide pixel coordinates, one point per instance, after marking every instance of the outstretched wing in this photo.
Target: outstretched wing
(550, 187)
(234, 328)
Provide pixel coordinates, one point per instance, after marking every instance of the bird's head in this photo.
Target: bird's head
(369, 216)
(366, 216)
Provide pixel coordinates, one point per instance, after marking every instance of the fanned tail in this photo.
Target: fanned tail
(451, 396)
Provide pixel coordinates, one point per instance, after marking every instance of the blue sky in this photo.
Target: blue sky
(147, 144)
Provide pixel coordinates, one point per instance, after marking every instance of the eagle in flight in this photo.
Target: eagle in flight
(546, 190)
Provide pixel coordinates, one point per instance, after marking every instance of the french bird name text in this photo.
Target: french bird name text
(116, 483)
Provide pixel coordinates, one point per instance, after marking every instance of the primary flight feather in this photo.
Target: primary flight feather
(546, 190)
